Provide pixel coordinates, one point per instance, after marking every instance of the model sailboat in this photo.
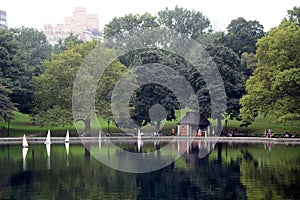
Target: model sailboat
(139, 135)
(24, 142)
(67, 140)
(48, 141)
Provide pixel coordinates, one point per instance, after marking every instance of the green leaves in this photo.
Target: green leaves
(6, 106)
(191, 23)
(274, 86)
(242, 35)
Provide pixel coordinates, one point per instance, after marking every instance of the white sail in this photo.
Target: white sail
(139, 135)
(48, 141)
(24, 142)
(67, 139)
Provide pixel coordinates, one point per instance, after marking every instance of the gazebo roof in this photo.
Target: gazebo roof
(194, 118)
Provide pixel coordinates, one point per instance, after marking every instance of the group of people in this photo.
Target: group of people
(269, 133)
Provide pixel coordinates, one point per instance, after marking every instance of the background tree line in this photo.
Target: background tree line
(37, 79)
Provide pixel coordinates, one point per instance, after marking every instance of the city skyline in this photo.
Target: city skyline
(32, 13)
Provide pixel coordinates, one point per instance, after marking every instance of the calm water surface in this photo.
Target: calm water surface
(230, 171)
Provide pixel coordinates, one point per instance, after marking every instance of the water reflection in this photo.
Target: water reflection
(67, 146)
(24, 154)
(230, 171)
(48, 149)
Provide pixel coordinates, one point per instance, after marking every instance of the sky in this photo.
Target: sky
(36, 13)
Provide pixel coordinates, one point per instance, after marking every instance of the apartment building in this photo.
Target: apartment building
(85, 25)
(3, 18)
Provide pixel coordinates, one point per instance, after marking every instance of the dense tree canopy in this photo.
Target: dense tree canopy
(229, 66)
(275, 82)
(6, 105)
(54, 88)
(294, 15)
(184, 23)
(34, 50)
(242, 35)
(62, 45)
(34, 47)
(12, 67)
(187, 22)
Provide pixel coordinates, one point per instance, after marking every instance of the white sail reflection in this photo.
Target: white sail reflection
(48, 147)
(24, 153)
(67, 146)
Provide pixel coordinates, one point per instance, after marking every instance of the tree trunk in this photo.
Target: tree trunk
(8, 123)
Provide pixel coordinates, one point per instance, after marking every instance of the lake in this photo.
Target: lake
(229, 171)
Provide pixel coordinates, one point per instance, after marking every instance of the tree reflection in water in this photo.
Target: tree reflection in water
(230, 171)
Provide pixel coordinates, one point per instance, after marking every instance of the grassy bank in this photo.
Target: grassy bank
(21, 124)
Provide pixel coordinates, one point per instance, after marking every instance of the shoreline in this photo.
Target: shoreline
(77, 140)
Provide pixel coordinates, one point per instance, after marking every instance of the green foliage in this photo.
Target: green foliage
(228, 64)
(129, 23)
(6, 106)
(34, 50)
(195, 26)
(12, 67)
(54, 88)
(191, 23)
(67, 43)
(242, 35)
(248, 63)
(274, 84)
(294, 15)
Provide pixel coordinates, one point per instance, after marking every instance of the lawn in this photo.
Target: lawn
(22, 124)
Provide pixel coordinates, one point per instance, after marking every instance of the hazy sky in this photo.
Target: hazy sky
(35, 13)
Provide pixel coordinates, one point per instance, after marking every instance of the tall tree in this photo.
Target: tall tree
(229, 66)
(188, 22)
(6, 105)
(34, 50)
(119, 29)
(63, 45)
(242, 35)
(58, 81)
(294, 15)
(123, 26)
(275, 82)
(12, 68)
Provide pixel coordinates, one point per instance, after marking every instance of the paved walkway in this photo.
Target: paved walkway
(58, 140)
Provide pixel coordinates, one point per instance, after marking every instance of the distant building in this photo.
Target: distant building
(86, 26)
(3, 18)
